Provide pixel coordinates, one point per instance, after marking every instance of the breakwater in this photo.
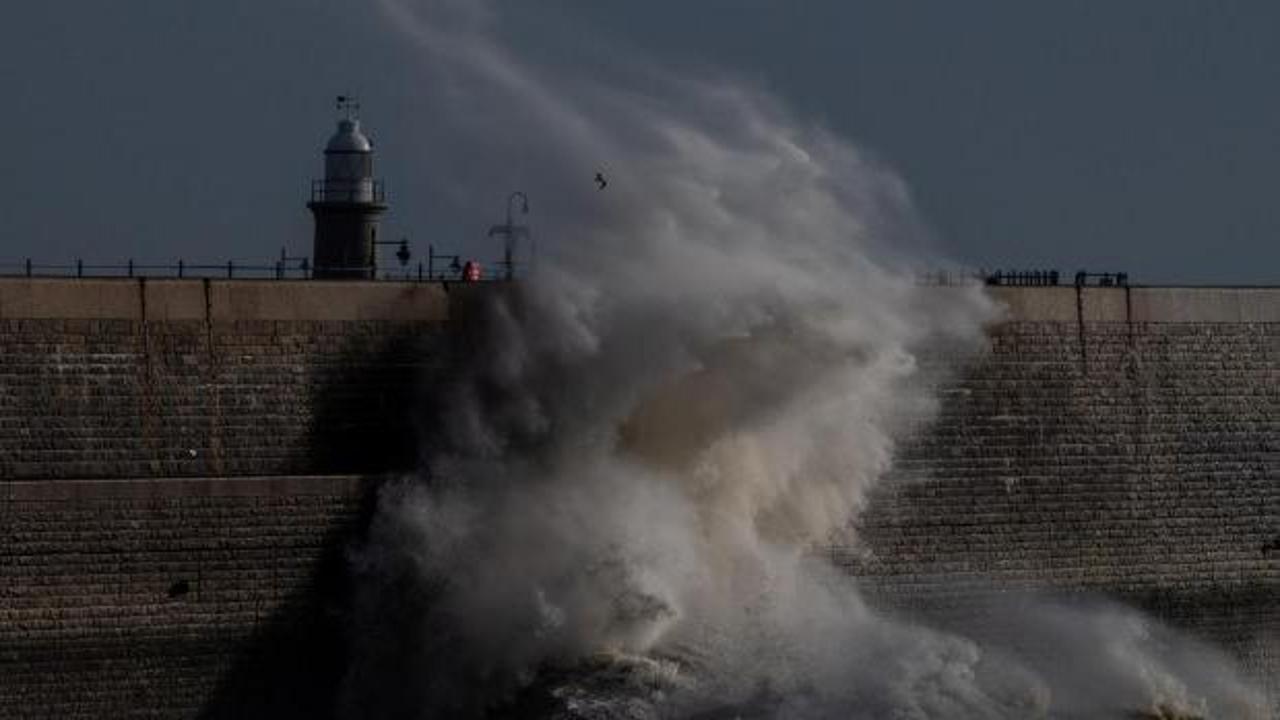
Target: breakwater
(182, 461)
(1114, 442)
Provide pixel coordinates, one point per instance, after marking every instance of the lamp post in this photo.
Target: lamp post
(455, 264)
(510, 232)
(282, 268)
(402, 254)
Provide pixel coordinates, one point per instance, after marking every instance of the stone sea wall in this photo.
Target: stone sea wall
(183, 463)
(173, 598)
(1124, 443)
(182, 466)
(166, 378)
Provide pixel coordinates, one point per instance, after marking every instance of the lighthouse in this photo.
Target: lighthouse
(347, 203)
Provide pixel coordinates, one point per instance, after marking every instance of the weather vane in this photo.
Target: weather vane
(349, 105)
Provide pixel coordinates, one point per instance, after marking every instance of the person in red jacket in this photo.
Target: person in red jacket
(471, 271)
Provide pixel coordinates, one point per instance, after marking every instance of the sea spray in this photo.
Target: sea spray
(637, 447)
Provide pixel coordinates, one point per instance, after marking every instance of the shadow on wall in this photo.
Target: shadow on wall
(367, 402)
(380, 402)
(294, 663)
(396, 637)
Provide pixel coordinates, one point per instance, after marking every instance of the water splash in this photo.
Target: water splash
(637, 447)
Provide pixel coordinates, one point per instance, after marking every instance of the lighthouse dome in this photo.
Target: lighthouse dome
(348, 138)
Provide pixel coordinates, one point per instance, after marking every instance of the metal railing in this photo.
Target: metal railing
(1024, 278)
(950, 278)
(348, 191)
(1119, 279)
(430, 270)
(451, 268)
(1020, 278)
(180, 269)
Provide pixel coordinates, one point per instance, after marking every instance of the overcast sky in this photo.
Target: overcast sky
(1138, 135)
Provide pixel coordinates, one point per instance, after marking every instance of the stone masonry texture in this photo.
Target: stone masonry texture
(1139, 462)
(172, 598)
(183, 465)
(230, 391)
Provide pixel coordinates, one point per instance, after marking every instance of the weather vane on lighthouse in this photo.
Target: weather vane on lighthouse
(349, 106)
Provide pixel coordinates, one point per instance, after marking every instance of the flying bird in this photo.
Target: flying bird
(600, 181)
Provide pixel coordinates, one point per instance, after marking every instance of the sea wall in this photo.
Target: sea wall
(115, 378)
(210, 597)
(183, 465)
(1124, 443)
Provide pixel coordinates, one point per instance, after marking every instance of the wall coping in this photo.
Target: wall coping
(212, 300)
(1146, 304)
(205, 299)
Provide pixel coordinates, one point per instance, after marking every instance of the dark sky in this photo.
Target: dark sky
(1137, 135)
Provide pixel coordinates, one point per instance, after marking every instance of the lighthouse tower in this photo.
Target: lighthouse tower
(347, 203)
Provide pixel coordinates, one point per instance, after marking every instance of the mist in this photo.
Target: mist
(633, 452)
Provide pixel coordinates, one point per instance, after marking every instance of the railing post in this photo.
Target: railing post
(179, 267)
(28, 267)
(279, 270)
(79, 267)
(419, 271)
(230, 269)
(431, 259)
(130, 267)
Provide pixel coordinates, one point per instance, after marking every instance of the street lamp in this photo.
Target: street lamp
(282, 267)
(510, 232)
(402, 254)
